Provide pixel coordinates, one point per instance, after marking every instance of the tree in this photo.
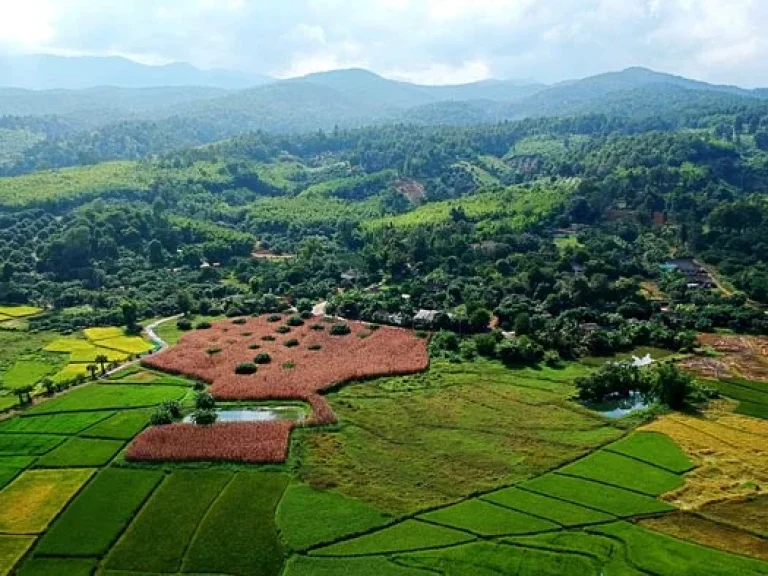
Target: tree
(184, 302)
(672, 386)
(92, 368)
(204, 401)
(25, 395)
(155, 252)
(49, 386)
(102, 360)
(522, 324)
(130, 313)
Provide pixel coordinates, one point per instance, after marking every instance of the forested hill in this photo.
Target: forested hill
(50, 129)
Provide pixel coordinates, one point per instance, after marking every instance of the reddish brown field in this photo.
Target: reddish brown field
(296, 372)
(252, 442)
(362, 354)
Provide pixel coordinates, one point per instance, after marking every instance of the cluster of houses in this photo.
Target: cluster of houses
(695, 274)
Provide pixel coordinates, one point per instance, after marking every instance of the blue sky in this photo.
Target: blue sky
(428, 41)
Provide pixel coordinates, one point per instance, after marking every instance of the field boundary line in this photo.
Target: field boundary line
(703, 516)
(662, 468)
(480, 536)
(608, 484)
(203, 519)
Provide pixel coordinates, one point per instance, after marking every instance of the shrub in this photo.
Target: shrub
(295, 321)
(422, 334)
(205, 417)
(204, 325)
(173, 407)
(292, 343)
(340, 330)
(204, 401)
(315, 347)
(317, 327)
(239, 321)
(268, 338)
(274, 318)
(246, 334)
(161, 417)
(282, 329)
(245, 368)
(254, 346)
(374, 327)
(552, 358)
(199, 386)
(213, 351)
(184, 324)
(306, 314)
(289, 365)
(262, 358)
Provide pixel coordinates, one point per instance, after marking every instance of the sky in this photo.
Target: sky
(424, 41)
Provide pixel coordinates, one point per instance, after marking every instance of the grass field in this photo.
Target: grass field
(127, 344)
(623, 472)
(558, 511)
(159, 536)
(605, 498)
(12, 549)
(95, 519)
(30, 502)
(96, 334)
(70, 372)
(709, 533)
(19, 311)
(486, 519)
(28, 444)
(8, 402)
(367, 566)
(238, 535)
(333, 516)
(58, 566)
(502, 426)
(408, 535)
(54, 423)
(81, 452)
(123, 425)
(27, 373)
(107, 396)
(752, 396)
(653, 448)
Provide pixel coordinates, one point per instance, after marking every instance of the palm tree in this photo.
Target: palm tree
(92, 369)
(102, 360)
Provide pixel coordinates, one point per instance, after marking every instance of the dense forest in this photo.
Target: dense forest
(550, 226)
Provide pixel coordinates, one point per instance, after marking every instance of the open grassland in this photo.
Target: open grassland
(615, 501)
(81, 452)
(408, 535)
(422, 441)
(124, 425)
(108, 397)
(728, 449)
(332, 516)
(171, 333)
(487, 519)
(160, 535)
(54, 423)
(12, 549)
(27, 372)
(623, 472)
(8, 402)
(654, 448)
(33, 500)
(692, 528)
(97, 517)
(238, 535)
(561, 512)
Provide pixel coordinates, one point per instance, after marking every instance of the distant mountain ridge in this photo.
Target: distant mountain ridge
(48, 72)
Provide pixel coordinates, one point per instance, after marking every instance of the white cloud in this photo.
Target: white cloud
(421, 40)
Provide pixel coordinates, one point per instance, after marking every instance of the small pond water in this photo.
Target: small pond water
(621, 407)
(259, 414)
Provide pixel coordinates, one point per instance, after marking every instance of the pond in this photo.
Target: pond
(259, 414)
(621, 407)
